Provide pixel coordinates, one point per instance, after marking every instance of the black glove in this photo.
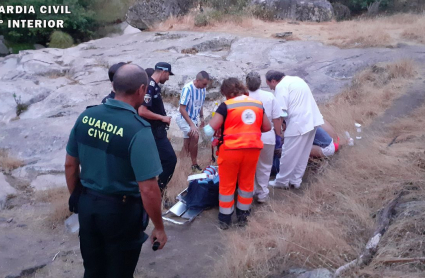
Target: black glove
(74, 198)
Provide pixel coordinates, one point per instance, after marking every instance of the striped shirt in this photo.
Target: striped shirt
(193, 98)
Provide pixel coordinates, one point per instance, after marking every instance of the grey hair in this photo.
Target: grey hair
(274, 75)
(253, 81)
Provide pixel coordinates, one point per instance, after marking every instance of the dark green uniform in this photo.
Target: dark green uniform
(116, 149)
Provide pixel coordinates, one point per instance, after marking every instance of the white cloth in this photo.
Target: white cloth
(272, 110)
(193, 98)
(329, 150)
(293, 162)
(294, 96)
(262, 174)
(184, 126)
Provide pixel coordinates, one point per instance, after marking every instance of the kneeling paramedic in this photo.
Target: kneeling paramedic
(242, 120)
(119, 164)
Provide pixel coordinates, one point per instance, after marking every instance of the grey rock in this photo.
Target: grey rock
(283, 35)
(45, 182)
(303, 10)
(145, 13)
(130, 30)
(3, 49)
(40, 135)
(38, 46)
(5, 191)
(317, 273)
(303, 273)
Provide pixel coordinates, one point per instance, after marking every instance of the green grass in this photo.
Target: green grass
(16, 47)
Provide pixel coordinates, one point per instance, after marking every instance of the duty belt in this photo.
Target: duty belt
(112, 198)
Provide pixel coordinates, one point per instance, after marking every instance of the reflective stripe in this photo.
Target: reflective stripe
(226, 198)
(242, 206)
(245, 194)
(227, 210)
(242, 104)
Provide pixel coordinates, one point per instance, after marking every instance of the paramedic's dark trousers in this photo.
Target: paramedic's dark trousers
(111, 235)
(168, 161)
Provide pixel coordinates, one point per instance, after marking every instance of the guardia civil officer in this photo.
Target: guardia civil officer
(119, 163)
(154, 112)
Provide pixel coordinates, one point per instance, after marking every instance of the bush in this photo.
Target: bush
(20, 106)
(60, 39)
(341, 12)
(227, 5)
(261, 12)
(201, 20)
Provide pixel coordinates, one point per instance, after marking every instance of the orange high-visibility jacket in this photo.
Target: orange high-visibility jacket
(242, 127)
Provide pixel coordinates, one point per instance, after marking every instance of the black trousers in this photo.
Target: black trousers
(168, 161)
(111, 235)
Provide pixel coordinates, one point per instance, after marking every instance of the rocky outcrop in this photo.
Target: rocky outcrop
(5, 191)
(3, 48)
(58, 84)
(303, 10)
(145, 13)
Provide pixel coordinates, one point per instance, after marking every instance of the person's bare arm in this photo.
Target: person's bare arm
(72, 173)
(147, 114)
(193, 128)
(266, 125)
(151, 197)
(201, 115)
(217, 121)
(277, 125)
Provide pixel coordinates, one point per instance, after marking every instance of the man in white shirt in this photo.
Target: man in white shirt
(303, 117)
(191, 107)
(273, 112)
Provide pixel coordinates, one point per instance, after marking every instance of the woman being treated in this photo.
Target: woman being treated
(241, 121)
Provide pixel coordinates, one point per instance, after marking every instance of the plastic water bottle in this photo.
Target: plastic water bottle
(359, 131)
(350, 140)
(71, 224)
(214, 109)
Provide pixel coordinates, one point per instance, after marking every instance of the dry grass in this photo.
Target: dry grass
(380, 31)
(8, 163)
(370, 94)
(58, 198)
(329, 222)
(363, 32)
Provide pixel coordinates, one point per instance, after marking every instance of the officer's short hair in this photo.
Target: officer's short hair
(129, 78)
(149, 72)
(274, 75)
(113, 69)
(253, 81)
(202, 75)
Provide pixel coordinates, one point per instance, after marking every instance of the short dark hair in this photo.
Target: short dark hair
(253, 81)
(232, 87)
(113, 69)
(274, 75)
(128, 79)
(149, 72)
(203, 75)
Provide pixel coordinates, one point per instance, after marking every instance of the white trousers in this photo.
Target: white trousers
(293, 162)
(262, 174)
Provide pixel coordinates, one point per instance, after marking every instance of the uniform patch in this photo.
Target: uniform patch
(248, 117)
(152, 83)
(147, 98)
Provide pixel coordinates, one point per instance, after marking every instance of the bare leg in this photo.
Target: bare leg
(316, 152)
(193, 148)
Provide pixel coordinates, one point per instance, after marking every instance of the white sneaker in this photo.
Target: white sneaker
(296, 186)
(263, 200)
(278, 185)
